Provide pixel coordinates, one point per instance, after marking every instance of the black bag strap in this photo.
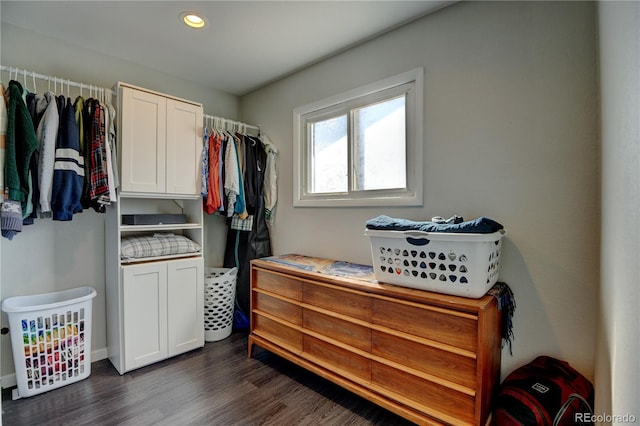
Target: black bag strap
(566, 405)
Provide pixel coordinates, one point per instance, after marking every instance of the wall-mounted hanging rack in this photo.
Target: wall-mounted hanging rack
(211, 121)
(18, 74)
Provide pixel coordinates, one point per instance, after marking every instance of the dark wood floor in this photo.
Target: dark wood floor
(216, 385)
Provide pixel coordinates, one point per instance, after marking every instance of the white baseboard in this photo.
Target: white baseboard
(9, 380)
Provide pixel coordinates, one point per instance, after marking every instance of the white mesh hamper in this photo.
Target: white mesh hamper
(219, 298)
(50, 338)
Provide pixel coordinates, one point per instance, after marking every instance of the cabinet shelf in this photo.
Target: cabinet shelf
(159, 196)
(165, 227)
(159, 258)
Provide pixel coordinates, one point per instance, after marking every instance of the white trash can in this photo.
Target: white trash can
(219, 298)
(50, 338)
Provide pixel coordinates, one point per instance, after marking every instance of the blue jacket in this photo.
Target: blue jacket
(68, 173)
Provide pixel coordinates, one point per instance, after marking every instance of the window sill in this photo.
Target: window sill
(382, 201)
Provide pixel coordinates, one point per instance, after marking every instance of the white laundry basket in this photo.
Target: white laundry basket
(451, 263)
(219, 298)
(50, 338)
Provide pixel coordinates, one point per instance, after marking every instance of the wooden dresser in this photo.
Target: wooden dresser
(429, 357)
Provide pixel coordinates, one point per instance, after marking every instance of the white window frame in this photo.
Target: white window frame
(409, 83)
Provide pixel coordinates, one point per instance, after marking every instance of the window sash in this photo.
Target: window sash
(408, 85)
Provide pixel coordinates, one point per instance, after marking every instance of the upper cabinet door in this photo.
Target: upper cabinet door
(184, 147)
(143, 141)
(160, 143)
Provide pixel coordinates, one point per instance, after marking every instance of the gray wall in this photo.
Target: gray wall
(618, 342)
(51, 256)
(510, 132)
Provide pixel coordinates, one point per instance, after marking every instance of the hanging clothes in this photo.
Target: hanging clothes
(204, 165)
(47, 134)
(98, 179)
(21, 143)
(241, 202)
(221, 171)
(214, 202)
(69, 169)
(55, 155)
(232, 174)
(235, 166)
(36, 106)
(3, 137)
(255, 158)
(244, 245)
(112, 198)
(270, 186)
(240, 205)
(111, 137)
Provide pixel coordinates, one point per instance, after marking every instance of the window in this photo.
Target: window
(361, 148)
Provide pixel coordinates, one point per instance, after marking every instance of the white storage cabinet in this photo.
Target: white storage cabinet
(155, 306)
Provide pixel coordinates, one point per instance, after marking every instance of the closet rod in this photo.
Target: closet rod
(25, 73)
(228, 121)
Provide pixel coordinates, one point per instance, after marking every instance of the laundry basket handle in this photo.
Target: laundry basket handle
(416, 238)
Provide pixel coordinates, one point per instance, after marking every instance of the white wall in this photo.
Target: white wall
(510, 132)
(51, 256)
(618, 343)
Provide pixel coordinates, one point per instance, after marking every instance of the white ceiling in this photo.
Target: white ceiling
(245, 44)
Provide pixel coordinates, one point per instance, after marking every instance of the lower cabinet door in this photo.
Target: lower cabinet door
(144, 313)
(185, 291)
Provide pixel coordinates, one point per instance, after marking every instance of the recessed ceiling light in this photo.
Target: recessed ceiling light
(192, 19)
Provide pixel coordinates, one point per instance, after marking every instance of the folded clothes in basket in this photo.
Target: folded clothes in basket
(481, 225)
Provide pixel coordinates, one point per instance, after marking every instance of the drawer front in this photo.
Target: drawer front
(441, 325)
(446, 365)
(424, 393)
(343, 331)
(338, 360)
(278, 284)
(278, 308)
(287, 337)
(342, 302)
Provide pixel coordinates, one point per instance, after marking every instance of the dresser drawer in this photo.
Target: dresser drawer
(442, 325)
(287, 337)
(457, 368)
(337, 359)
(278, 308)
(354, 305)
(344, 331)
(423, 392)
(278, 284)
